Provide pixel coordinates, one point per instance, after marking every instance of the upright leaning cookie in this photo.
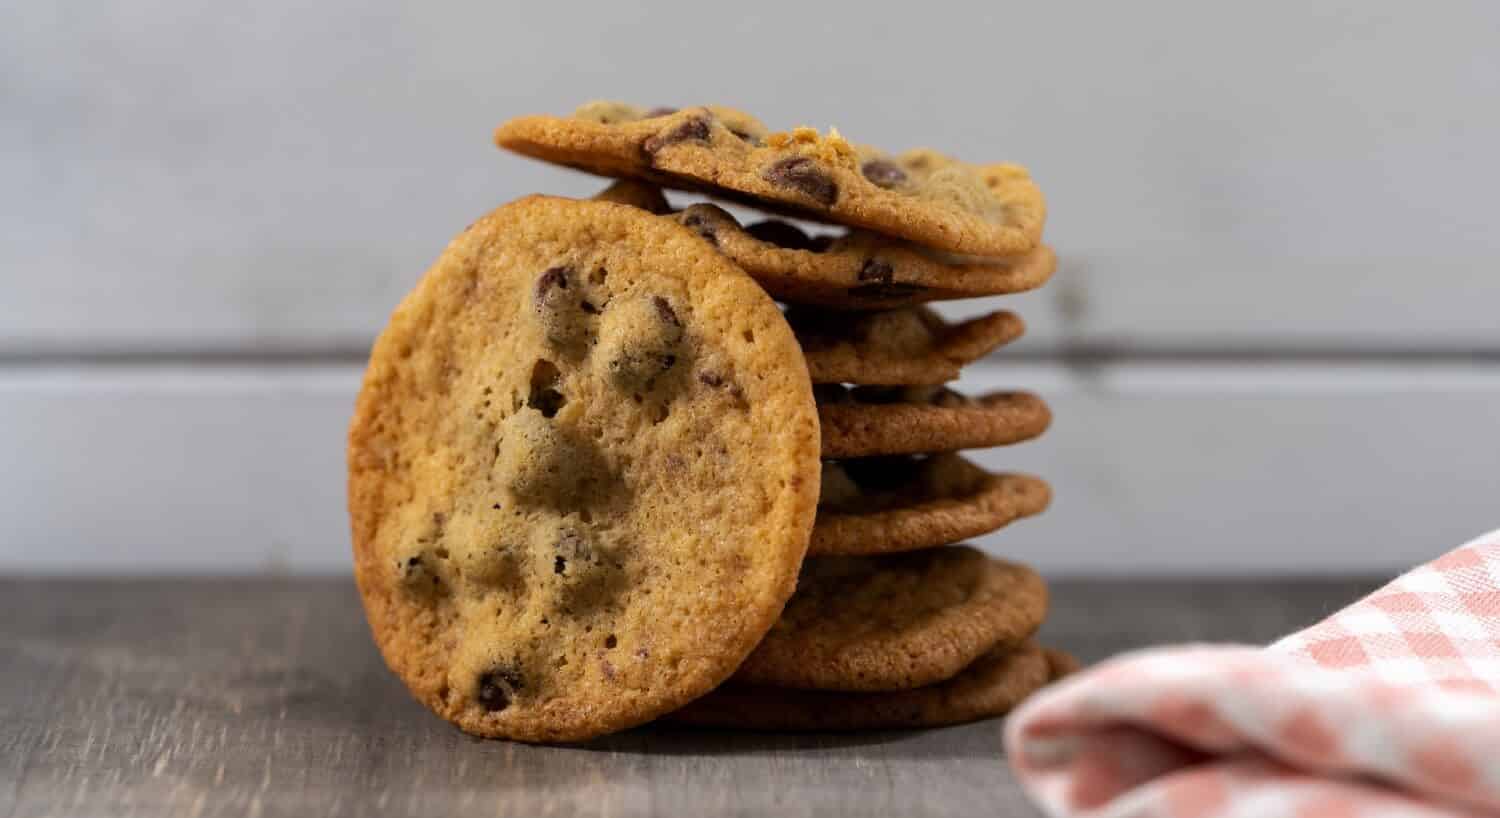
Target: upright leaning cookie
(583, 468)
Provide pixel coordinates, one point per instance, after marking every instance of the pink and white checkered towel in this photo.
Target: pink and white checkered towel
(1390, 707)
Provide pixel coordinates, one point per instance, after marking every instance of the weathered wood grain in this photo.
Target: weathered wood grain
(266, 697)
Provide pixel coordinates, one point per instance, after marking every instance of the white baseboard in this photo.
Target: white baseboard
(1161, 468)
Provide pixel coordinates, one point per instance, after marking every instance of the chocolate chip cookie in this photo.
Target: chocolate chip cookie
(886, 504)
(868, 421)
(921, 195)
(860, 269)
(896, 622)
(583, 469)
(991, 686)
(900, 347)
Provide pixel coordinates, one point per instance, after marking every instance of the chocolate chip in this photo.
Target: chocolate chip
(665, 310)
(746, 136)
(497, 687)
(876, 270)
(883, 173)
(711, 379)
(553, 277)
(880, 274)
(693, 129)
(780, 234)
(559, 566)
(659, 112)
(410, 567)
(804, 176)
(703, 228)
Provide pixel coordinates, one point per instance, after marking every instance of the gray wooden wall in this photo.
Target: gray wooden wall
(1273, 345)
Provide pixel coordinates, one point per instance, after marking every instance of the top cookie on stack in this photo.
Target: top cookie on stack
(912, 214)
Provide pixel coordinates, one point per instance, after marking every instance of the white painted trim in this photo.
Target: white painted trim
(1157, 468)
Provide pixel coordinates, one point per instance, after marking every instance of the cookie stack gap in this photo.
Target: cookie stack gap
(895, 621)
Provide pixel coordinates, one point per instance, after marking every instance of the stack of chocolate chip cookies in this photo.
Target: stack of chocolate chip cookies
(599, 476)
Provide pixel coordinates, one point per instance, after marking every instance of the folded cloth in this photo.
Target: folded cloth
(1390, 707)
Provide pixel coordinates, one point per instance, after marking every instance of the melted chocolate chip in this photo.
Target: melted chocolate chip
(553, 277)
(876, 270)
(804, 176)
(665, 310)
(780, 234)
(497, 687)
(693, 129)
(715, 380)
(659, 112)
(883, 173)
(410, 567)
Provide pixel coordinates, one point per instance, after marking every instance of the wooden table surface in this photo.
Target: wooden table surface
(266, 697)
